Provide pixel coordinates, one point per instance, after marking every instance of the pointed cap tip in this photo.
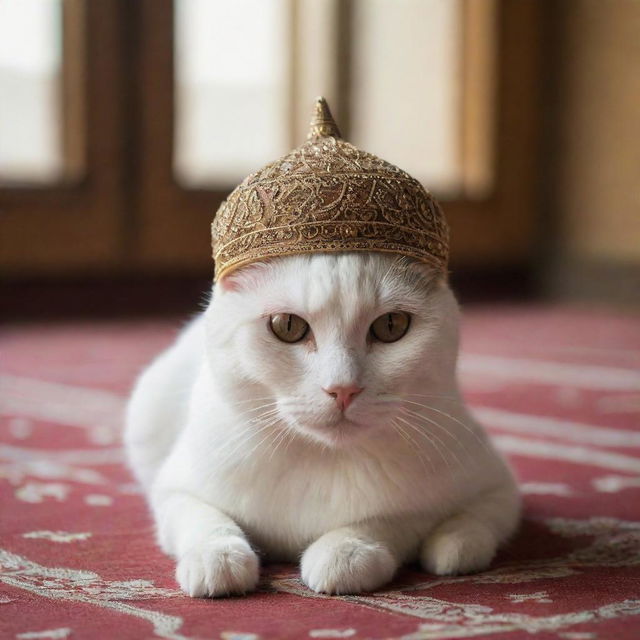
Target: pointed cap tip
(322, 123)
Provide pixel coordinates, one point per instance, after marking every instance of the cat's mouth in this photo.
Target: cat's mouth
(329, 427)
(341, 422)
(338, 432)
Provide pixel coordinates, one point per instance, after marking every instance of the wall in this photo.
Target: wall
(596, 198)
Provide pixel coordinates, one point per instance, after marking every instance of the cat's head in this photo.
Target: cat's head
(329, 344)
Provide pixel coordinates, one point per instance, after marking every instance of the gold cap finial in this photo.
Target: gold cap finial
(322, 123)
(327, 195)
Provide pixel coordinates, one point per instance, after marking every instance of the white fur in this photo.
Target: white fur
(241, 451)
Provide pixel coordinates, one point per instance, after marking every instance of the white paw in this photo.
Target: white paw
(341, 565)
(458, 546)
(221, 567)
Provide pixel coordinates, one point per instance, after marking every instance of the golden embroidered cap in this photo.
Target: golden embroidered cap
(325, 196)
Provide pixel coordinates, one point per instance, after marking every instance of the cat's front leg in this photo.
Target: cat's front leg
(356, 558)
(213, 555)
(467, 541)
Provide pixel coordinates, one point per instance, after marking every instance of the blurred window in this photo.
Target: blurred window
(407, 58)
(397, 74)
(231, 70)
(30, 89)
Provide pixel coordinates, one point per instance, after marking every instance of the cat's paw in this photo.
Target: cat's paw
(220, 567)
(340, 565)
(460, 545)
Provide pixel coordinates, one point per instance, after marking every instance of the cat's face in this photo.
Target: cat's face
(332, 340)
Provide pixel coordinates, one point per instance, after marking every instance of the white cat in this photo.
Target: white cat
(312, 413)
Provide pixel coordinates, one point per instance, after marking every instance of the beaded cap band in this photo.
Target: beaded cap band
(327, 195)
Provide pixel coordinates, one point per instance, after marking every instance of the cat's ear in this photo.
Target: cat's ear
(246, 278)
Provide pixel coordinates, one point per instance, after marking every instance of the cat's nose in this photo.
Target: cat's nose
(343, 395)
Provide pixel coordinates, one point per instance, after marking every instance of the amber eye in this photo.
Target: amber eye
(288, 327)
(391, 326)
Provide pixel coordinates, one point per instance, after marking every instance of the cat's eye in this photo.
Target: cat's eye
(288, 327)
(390, 326)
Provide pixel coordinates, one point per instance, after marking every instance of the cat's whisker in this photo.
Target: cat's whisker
(254, 410)
(248, 430)
(392, 398)
(267, 414)
(419, 416)
(240, 412)
(270, 434)
(248, 400)
(252, 426)
(291, 438)
(265, 420)
(281, 438)
(252, 421)
(439, 396)
(407, 438)
(401, 431)
(258, 408)
(433, 439)
(262, 419)
(456, 420)
(231, 455)
(232, 446)
(383, 400)
(449, 456)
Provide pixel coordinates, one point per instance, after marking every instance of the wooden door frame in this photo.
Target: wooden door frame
(76, 225)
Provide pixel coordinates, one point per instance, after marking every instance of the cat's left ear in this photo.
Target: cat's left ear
(245, 278)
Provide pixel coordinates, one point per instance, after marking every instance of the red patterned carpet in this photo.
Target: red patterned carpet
(559, 390)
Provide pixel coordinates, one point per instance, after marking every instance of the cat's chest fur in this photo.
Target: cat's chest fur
(286, 500)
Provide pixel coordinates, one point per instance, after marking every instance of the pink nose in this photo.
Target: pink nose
(343, 395)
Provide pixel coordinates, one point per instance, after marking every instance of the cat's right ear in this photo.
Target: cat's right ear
(245, 278)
